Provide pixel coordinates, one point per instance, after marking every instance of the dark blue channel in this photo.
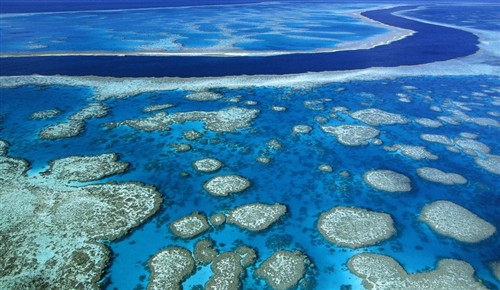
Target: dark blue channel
(430, 43)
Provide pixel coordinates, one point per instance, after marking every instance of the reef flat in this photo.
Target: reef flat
(377, 117)
(46, 114)
(355, 227)
(169, 268)
(452, 220)
(204, 96)
(388, 180)
(495, 267)
(257, 216)
(439, 176)
(75, 124)
(307, 172)
(172, 266)
(352, 135)
(489, 162)
(441, 139)
(190, 226)
(52, 231)
(227, 272)
(205, 252)
(283, 269)
(223, 185)
(207, 165)
(383, 272)
(227, 120)
(414, 152)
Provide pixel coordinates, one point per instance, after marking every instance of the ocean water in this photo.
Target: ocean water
(197, 28)
(484, 17)
(430, 43)
(292, 177)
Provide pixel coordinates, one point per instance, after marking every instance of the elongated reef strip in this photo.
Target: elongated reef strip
(414, 152)
(377, 117)
(435, 138)
(152, 108)
(439, 176)
(429, 123)
(204, 96)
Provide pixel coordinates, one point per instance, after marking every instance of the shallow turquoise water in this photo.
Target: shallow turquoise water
(178, 29)
(292, 178)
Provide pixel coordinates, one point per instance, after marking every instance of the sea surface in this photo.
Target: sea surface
(292, 177)
(257, 27)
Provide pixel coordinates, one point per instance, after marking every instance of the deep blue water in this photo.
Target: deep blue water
(28, 6)
(485, 17)
(431, 43)
(291, 178)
